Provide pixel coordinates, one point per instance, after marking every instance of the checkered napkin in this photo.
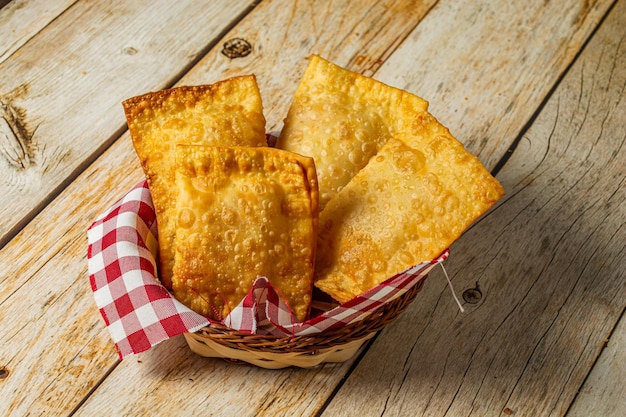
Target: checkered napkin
(140, 313)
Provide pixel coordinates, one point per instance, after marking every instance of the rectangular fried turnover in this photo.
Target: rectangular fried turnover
(226, 113)
(405, 207)
(396, 188)
(243, 212)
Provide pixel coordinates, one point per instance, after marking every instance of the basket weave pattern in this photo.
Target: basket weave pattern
(333, 345)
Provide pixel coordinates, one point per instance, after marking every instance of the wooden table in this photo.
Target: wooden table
(536, 89)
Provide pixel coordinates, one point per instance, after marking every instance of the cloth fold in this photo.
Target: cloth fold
(140, 313)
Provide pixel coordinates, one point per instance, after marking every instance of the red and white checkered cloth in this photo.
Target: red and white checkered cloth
(140, 313)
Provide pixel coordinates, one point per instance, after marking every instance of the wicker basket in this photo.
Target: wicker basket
(334, 345)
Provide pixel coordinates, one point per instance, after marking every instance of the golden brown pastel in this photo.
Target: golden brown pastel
(242, 213)
(405, 207)
(225, 113)
(396, 188)
(341, 119)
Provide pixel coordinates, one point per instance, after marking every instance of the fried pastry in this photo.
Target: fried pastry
(243, 213)
(396, 188)
(341, 119)
(413, 199)
(226, 113)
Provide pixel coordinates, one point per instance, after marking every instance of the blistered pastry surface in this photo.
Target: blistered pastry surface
(226, 113)
(243, 213)
(405, 207)
(341, 119)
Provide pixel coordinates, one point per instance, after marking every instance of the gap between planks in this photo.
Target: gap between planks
(507, 155)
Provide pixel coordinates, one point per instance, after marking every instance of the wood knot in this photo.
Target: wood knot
(473, 295)
(129, 50)
(4, 372)
(15, 139)
(236, 48)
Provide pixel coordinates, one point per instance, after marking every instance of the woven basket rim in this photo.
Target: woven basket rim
(313, 343)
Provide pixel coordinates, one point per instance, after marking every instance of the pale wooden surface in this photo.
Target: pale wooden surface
(604, 391)
(21, 20)
(549, 259)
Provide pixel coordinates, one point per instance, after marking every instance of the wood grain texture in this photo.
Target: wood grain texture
(603, 394)
(48, 314)
(21, 20)
(549, 263)
(209, 387)
(67, 84)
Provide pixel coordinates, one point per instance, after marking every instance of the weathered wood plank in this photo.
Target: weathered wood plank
(65, 87)
(210, 387)
(549, 263)
(47, 313)
(20, 20)
(76, 359)
(604, 393)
